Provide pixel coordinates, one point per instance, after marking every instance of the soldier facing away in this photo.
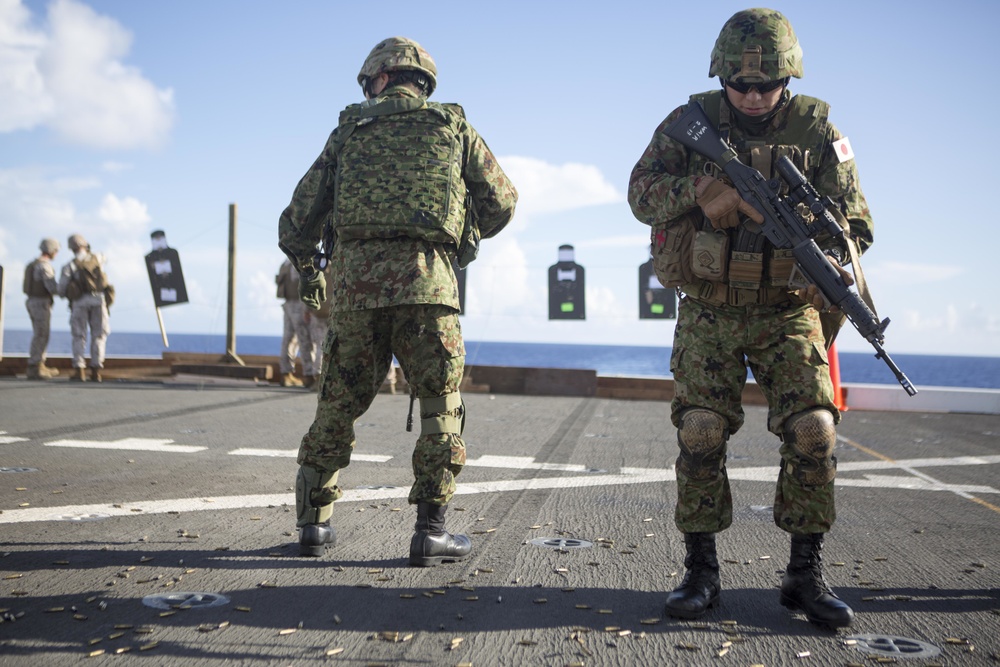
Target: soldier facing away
(84, 282)
(295, 332)
(737, 310)
(393, 183)
(40, 285)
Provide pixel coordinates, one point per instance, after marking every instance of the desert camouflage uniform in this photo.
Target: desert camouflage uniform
(778, 337)
(318, 322)
(39, 305)
(392, 295)
(89, 312)
(295, 335)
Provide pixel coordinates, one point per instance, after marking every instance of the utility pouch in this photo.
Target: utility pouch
(745, 270)
(73, 290)
(672, 248)
(780, 270)
(709, 255)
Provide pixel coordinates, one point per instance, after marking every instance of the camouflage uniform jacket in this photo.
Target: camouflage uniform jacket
(382, 272)
(662, 185)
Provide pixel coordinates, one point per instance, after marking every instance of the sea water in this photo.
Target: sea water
(621, 360)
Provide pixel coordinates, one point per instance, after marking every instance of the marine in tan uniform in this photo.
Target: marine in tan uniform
(295, 338)
(84, 282)
(40, 285)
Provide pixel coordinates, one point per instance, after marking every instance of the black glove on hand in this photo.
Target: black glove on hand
(312, 289)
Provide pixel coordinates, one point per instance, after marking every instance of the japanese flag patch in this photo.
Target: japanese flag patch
(842, 147)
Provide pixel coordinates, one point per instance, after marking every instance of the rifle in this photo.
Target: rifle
(784, 227)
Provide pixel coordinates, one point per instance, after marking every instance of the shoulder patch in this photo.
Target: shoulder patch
(842, 147)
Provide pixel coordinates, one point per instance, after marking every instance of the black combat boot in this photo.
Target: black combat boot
(431, 544)
(314, 538)
(804, 588)
(701, 585)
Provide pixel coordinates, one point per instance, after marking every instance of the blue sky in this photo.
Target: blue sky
(120, 117)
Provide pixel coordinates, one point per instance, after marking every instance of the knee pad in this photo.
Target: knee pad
(812, 436)
(702, 437)
(442, 414)
(315, 492)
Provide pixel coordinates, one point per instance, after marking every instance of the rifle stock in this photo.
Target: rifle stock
(785, 227)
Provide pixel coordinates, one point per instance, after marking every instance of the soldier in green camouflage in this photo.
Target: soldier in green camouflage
(737, 309)
(395, 184)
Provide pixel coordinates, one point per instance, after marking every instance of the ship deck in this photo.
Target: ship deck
(152, 519)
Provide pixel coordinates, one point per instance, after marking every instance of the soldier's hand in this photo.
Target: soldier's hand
(722, 204)
(813, 296)
(312, 290)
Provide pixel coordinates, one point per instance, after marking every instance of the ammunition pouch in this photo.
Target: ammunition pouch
(442, 414)
(672, 248)
(709, 255)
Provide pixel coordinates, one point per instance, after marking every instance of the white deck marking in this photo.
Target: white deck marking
(523, 463)
(292, 453)
(131, 444)
(626, 476)
(10, 439)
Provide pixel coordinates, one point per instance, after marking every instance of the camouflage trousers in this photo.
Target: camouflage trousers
(784, 347)
(40, 312)
(357, 354)
(89, 312)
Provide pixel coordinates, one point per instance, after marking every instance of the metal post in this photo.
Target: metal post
(231, 355)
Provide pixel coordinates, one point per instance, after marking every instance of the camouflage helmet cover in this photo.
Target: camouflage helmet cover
(76, 242)
(756, 45)
(398, 53)
(49, 246)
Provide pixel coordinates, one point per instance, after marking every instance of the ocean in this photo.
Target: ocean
(621, 360)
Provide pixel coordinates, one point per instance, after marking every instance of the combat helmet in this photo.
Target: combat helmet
(77, 242)
(756, 45)
(398, 53)
(49, 246)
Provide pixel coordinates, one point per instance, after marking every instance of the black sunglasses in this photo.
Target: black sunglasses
(763, 87)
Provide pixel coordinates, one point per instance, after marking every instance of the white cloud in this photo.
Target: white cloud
(543, 187)
(71, 78)
(499, 283)
(123, 214)
(263, 298)
(952, 319)
(26, 101)
(908, 273)
(5, 238)
(115, 167)
(33, 200)
(623, 241)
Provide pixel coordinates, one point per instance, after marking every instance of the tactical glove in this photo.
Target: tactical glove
(722, 204)
(312, 289)
(813, 296)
